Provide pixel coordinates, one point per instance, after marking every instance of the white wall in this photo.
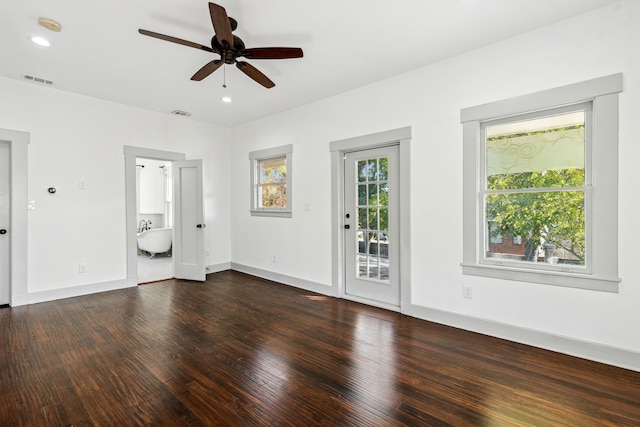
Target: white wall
(430, 99)
(76, 138)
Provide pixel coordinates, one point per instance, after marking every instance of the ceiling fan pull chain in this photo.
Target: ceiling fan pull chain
(224, 76)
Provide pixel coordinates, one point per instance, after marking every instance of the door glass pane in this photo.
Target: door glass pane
(362, 195)
(383, 244)
(383, 169)
(362, 170)
(373, 267)
(373, 195)
(361, 263)
(383, 195)
(372, 234)
(373, 170)
(362, 218)
(362, 245)
(373, 219)
(384, 219)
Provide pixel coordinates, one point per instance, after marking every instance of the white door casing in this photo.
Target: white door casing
(18, 143)
(5, 223)
(188, 230)
(371, 225)
(339, 149)
(190, 268)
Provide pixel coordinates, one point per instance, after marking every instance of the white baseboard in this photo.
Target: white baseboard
(597, 352)
(215, 268)
(74, 291)
(285, 280)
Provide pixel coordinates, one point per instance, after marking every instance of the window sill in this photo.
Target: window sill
(556, 278)
(272, 213)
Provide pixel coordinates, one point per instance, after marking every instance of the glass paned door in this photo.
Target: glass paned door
(371, 224)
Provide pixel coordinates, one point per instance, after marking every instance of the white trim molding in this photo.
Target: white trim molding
(130, 156)
(74, 291)
(601, 167)
(402, 138)
(597, 352)
(255, 157)
(19, 274)
(285, 279)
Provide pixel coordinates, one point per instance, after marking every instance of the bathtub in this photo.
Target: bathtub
(155, 240)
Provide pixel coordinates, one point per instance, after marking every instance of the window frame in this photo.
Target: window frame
(601, 166)
(586, 188)
(255, 157)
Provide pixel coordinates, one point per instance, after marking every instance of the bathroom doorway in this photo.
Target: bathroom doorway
(187, 247)
(154, 216)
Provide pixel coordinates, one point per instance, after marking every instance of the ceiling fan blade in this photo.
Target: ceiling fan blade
(272, 53)
(175, 40)
(255, 74)
(207, 70)
(221, 24)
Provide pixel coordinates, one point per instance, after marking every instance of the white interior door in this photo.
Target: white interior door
(372, 225)
(5, 278)
(188, 228)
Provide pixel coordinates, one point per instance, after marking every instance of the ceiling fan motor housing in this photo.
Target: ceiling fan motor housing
(228, 54)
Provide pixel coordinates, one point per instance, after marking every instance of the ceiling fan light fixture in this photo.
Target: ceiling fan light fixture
(50, 24)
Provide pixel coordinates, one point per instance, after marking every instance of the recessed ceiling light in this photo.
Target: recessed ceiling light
(226, 99)
(41, 41)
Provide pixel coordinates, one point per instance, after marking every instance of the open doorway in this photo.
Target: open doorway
(187, 245)
(154, 216)
(151, 159)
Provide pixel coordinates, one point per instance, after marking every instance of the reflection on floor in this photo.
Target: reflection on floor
(153, 269)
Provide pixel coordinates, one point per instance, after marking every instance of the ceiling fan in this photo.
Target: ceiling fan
(231, 47)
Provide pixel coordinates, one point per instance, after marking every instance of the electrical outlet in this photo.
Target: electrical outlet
(467, 291)
(275, 259)
(82, 268)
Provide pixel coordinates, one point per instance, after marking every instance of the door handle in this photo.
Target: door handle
(201, 225)
(3, 231)
(347, 226)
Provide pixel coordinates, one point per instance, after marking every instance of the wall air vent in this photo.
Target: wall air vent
(180, 113)
(38, 80)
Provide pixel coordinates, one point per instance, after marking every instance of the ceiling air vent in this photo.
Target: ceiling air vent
(38, 80)
(180, 113)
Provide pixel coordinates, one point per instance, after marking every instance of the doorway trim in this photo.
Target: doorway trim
(130, 156)
(401, 137)
(18, 153)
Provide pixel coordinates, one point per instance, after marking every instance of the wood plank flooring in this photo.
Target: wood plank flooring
(241, 351)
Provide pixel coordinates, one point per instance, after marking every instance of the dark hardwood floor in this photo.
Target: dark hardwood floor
(241, 351)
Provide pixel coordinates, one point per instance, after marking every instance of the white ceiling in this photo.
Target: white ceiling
(346, 44)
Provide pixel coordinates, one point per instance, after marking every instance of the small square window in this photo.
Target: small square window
(271, 182)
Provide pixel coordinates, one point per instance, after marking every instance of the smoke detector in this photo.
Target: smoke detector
(50, 24)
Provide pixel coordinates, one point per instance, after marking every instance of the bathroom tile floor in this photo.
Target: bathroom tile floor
(153, 269)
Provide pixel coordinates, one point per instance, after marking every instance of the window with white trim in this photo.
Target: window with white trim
(271, 181)
(543, 168)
